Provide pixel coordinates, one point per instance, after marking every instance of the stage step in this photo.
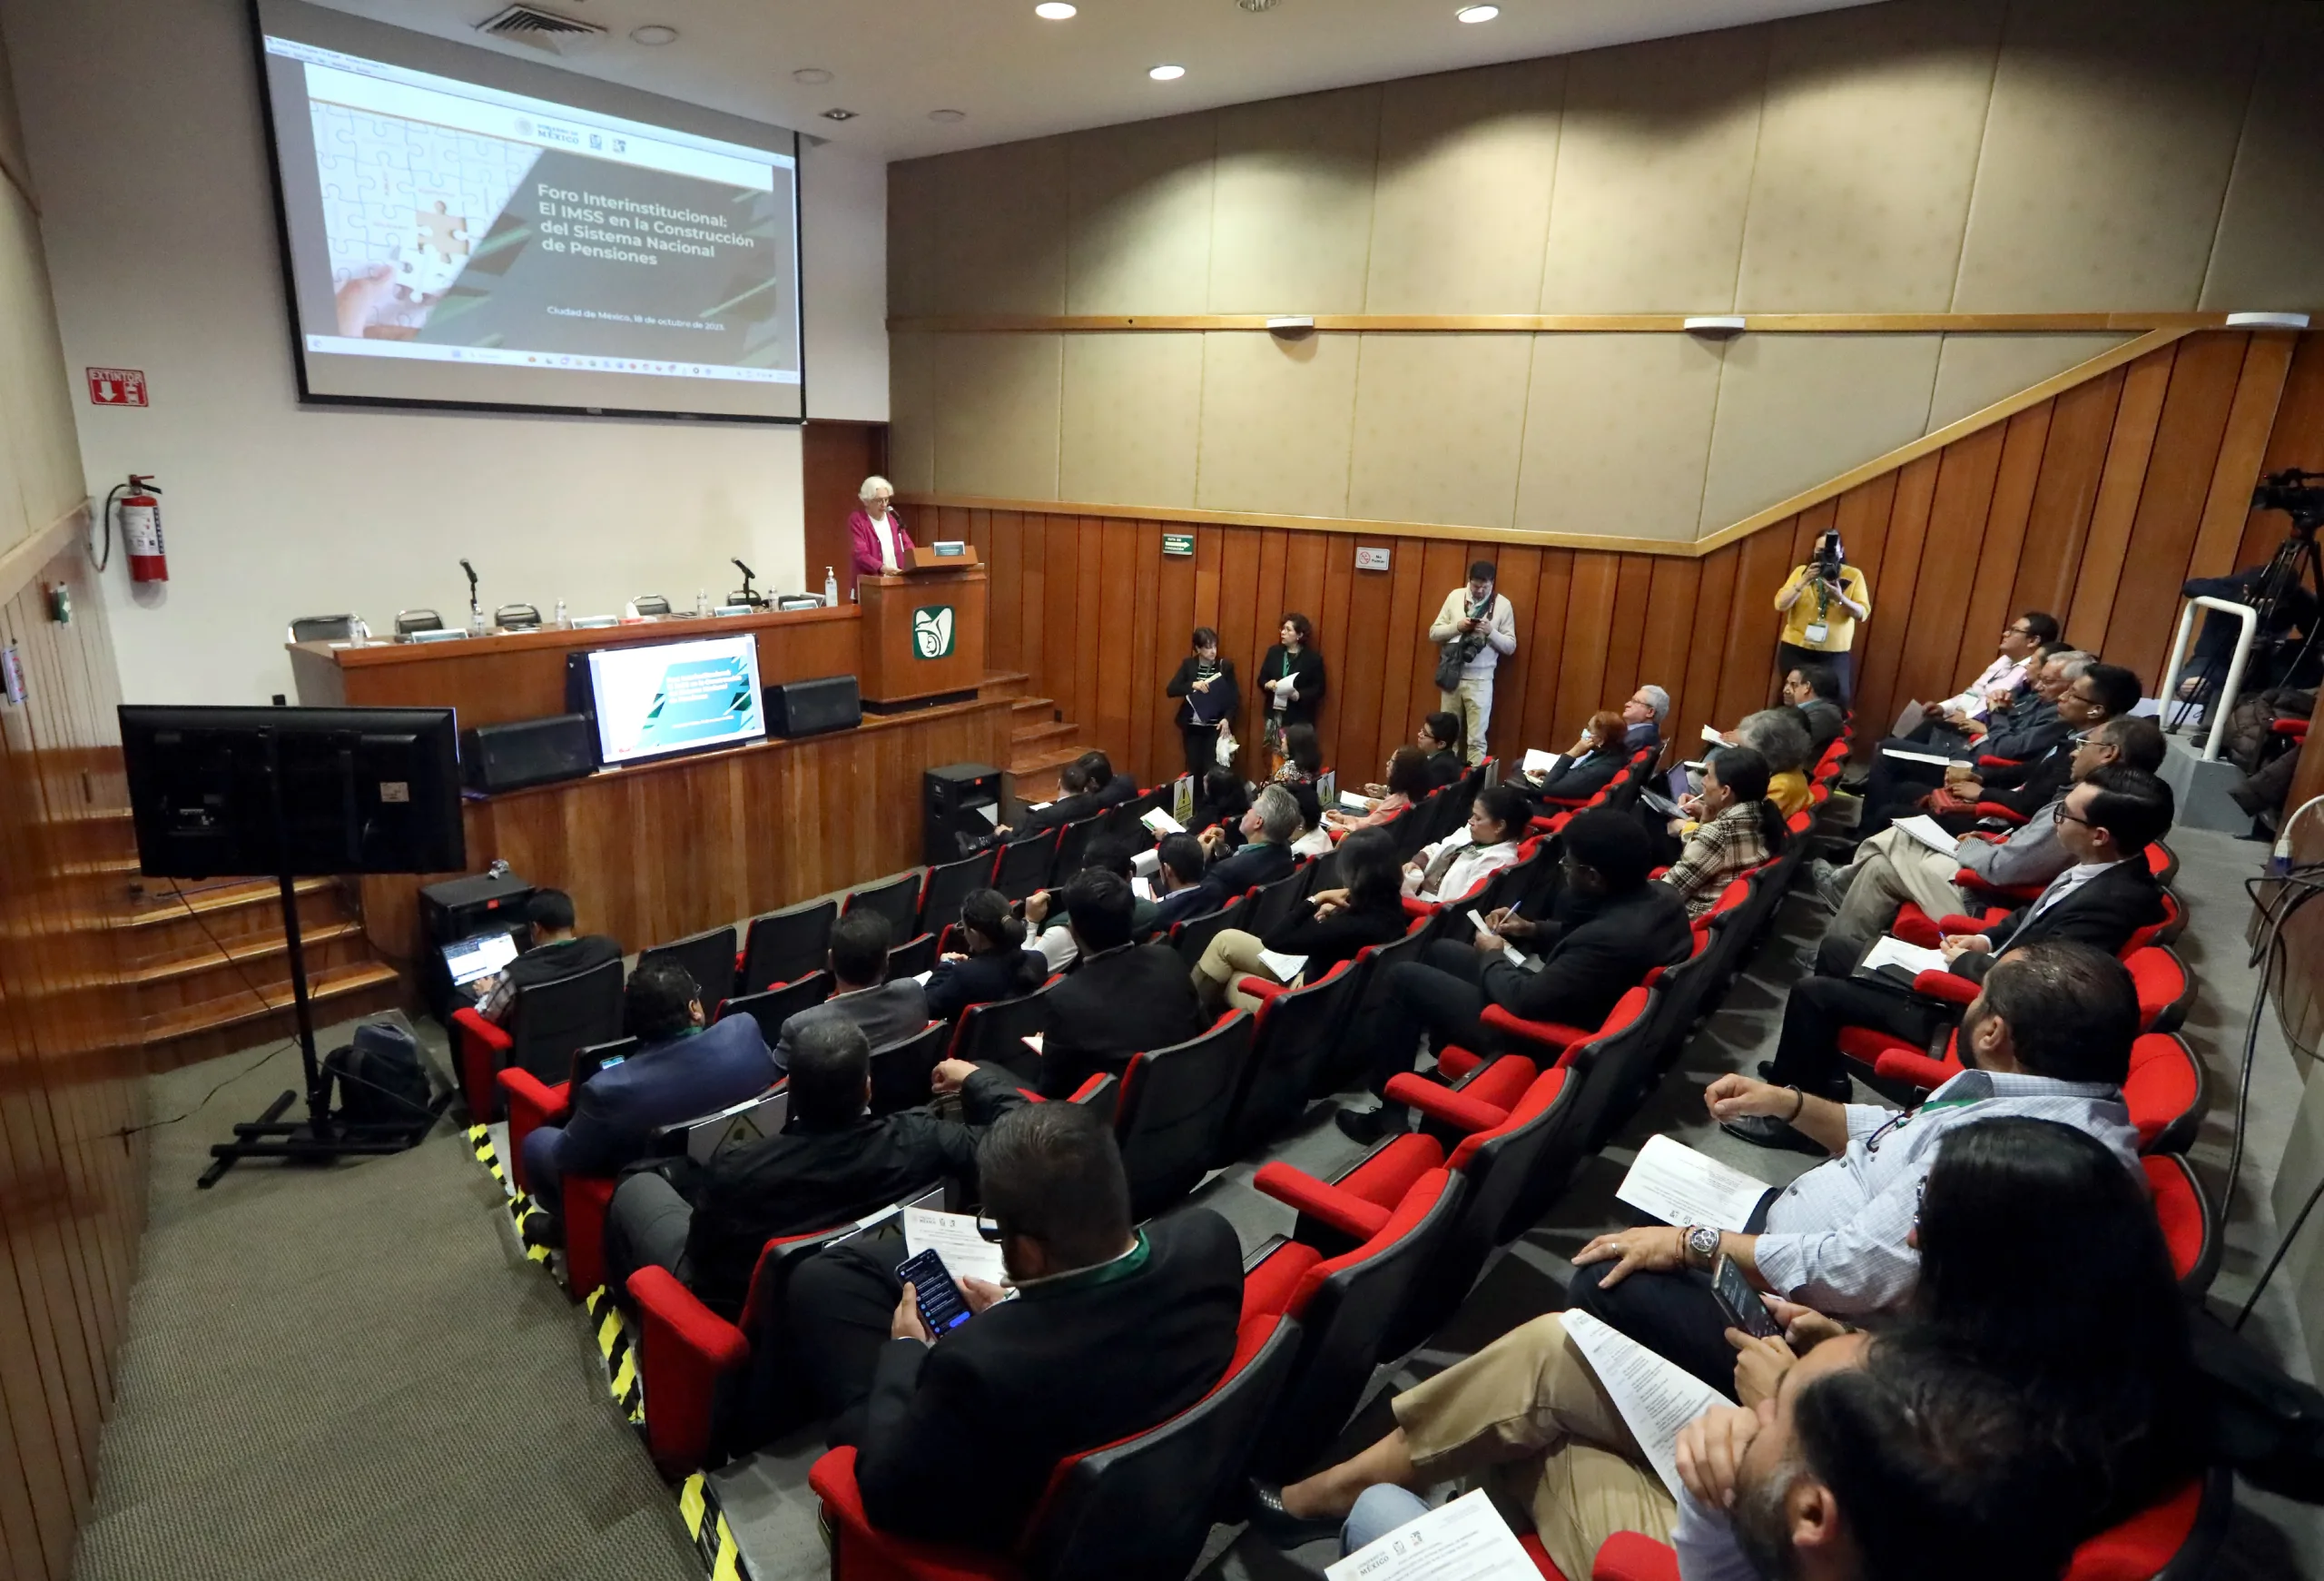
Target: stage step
(256, 958)
(226, 1025)
(161, 927)
(1031, 737)
(1003, 683)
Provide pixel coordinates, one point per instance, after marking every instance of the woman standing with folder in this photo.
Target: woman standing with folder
(1291, 678)
(1208, 700)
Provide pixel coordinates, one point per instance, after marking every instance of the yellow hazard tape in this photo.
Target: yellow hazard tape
(692, 1503)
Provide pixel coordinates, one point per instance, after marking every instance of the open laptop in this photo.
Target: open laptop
(481, 956)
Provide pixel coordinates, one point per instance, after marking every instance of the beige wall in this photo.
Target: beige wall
(1923, 156)
(40, 461)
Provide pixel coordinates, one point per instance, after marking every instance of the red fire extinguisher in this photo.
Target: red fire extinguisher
(140, 529)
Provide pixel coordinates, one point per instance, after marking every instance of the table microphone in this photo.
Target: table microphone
(475, 611)
(748, 574)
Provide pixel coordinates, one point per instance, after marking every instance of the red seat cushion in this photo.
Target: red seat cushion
(2162, 1083)
(1269, 1288)
(2139, 1548)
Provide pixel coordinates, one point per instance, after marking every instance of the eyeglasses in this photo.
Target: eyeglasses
(2058, 814)
(990, 1228)
(2017, 631)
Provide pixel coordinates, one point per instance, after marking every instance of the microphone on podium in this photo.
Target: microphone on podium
(747, 596)
(475, 611)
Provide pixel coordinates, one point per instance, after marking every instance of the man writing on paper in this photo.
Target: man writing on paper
(2049, 1038)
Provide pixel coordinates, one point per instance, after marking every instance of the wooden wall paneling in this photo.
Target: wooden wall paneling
(1589, 621)
(1520, 575)
(2296, 441)
(1090, 632)
(2188, 435)
(1268, 606)
(1359, 721)
(1174, 604)
(1748, 645)
(1060, 597)
(1675, 626)
(1117, 615)
(1244, 634)
(2128, 447)
(1033, 591)
(2074, 460)
(1862, 516)
(835, 458)
(2250, 420)
(1444, 566)
(1406, 625)
(1987, 608)
(1147, 648)
(1694, 691)
(1004, 591)
(1952, 551)
(1627, 636)
(1881, 652)
(1553, 587)
(1352, 739)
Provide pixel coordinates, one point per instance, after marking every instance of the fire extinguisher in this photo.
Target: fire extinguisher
(140, 529)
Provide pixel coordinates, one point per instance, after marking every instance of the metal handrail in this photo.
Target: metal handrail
(2222, 705)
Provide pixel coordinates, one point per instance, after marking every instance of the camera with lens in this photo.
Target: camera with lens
(1826, 562)
(2299, 495)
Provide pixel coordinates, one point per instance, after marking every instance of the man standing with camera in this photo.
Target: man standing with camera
(1475, 628)
(1821, 605)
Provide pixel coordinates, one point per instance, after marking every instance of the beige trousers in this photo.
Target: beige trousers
(1473, 703)
(1231, 955)
(1528, 1409)
(1889, 869)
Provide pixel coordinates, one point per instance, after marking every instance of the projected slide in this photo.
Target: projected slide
(675, 697)
(454, 239)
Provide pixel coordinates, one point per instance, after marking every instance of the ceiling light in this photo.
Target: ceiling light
(653, 35)
(813, 76)
(838, 115)
(1167, 73)
(1255, 7)
(1476, 14)
(948, 115)
(1055, 11)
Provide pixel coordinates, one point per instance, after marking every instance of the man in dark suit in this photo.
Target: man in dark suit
(1181, 880)
(1269, 829)
(1091, 787)
(1642, 716)
(1607, 930)
(1440, 738)
(2105, 823)
(1120, 998)
(1896, 787)
(682, 1070)
(832, 1161)
(559, 949)
(1114, 1330)
(861, 993)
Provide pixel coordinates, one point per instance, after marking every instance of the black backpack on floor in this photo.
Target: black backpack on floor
(381, 1079)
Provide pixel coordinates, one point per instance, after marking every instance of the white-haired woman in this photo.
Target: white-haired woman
(876, 534)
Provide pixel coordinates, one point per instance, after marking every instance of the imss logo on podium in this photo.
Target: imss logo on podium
(931, 631)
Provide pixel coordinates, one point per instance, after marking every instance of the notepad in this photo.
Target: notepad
(1713, 737)
(1679, 1185)
(1161, 823)
(1284, 967)
(953, 1238)
(1464, 1539)
(1890, 951)
(1929, 832)
(1539, 762)
(1901, 756)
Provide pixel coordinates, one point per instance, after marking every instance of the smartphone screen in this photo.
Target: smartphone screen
(1741, 1301)
(942, 1306)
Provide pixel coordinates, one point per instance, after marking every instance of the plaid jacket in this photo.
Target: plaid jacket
(1717, 852)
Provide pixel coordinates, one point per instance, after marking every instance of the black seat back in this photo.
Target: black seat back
(994, 1033)
(775, 1006)
(1192, 937)
(1345, 1056)
(708, 958)
(1173, 1109)
(1141, 1509)
(899, 1071)
(1294, 1034)
(912, 957)
(785, 945)
(948, 886)
(1025, 864)
(1125, 821)
(550, 1019)
(1073, 842)
(896, 899)
(1275, 903)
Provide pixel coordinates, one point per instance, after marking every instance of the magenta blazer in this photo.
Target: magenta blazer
(865, 542)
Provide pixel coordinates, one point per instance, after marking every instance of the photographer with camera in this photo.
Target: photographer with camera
(1821, 605)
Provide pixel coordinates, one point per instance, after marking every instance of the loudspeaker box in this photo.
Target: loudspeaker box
(811, 708)
(505, 757)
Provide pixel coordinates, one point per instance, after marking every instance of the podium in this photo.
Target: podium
(923, 630)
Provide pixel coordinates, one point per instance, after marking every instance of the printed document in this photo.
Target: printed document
(1464, 1540)
(1539, 762)
(953, 1238)
(1284, 967)
(1901, 756)
(1713, 737)
(1930, 832)
(1677, 1185)
(1656, 1398)
(1162, 823)
(1890, 951)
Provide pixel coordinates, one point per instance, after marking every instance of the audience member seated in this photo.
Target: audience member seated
(1607, 928)
(558, 950)
(1408, 781)
(861, 991)
(1120, 997)
(1086, 788)
(1732, 828)
(832, 1161)
(991, 963)
(1115, 1329)
(1577, 776)
(1779, 736)
(1221, 798)
(1815, 690)
(2105, 823)
(2047, 1038)
(681, 1071)
(1053, 939)
(1958, 720)
(1483, 846)
(1303, 763)
(1892, 867)
(1329, 927)
(2093, 694)
(1648, 707)
(1181, 880)
(1439, 737)
(1264, 854)
(2080, 1329)
(2020, 733)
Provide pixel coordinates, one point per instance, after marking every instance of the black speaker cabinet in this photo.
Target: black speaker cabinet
(948, 799)
(505, 757)
(811, 708)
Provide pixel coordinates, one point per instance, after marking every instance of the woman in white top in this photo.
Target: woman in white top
(876, 535)
(1456, 865)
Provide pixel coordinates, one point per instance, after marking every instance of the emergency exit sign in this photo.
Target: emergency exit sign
(116, 387)
(1178, 543)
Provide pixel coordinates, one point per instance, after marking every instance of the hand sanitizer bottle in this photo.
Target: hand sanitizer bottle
(564, 620)
(831, 590)
(702, 601)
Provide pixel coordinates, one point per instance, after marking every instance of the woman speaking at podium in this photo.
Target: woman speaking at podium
(875, 533)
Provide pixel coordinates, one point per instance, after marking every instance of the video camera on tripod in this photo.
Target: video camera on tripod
(2299, 495)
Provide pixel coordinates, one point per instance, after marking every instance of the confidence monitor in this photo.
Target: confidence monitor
(464, 229)
(658, 700)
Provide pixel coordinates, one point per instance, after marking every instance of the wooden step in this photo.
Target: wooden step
(1003, 683)
(228, 983)
(165, 898)
(159, 924)
(187, 1032)
(1026, 707)
(1033, 774)
(257, 957)
(1034, 736)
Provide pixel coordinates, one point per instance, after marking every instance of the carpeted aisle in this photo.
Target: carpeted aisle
(353, 1373)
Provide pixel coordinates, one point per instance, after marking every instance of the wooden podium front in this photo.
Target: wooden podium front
(923, 631)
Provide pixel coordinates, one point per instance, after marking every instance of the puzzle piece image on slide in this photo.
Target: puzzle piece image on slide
(436, 252)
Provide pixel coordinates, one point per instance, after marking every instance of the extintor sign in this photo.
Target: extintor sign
(117, 386)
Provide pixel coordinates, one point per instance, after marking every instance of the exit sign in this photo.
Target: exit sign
(1178, 543)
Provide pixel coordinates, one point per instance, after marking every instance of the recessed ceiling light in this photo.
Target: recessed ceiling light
(1167, 73)
(1055, 11)
(838, 115)
(813, 76)
(653, 35)
(1476, 13)
(948, 115)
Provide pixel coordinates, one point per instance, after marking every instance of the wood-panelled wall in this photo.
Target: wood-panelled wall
(71, 1189)
(2094, 504)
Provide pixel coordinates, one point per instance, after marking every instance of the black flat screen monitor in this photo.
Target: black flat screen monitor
(228, 793)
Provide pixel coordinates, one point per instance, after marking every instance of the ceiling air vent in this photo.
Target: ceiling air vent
(542, 29)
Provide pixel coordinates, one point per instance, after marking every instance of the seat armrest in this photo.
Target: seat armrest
(1549, 1034)
(1919, 1070)
(532, 1103)
(1344, 1211)
(683, 1348)
(1946, 986)
(1098, 1092)
(1416, 907)
(1260, 988)
(1443, 1104)
(1995, 810)
(1987, 760)
(482, 1047)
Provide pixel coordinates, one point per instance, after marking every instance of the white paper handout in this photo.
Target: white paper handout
(1902, 756)
(1930, 832)
(1539, 762)
(953, 1237)
(1679, 1185)
(1713, 737)
(1656, 1398)
(1890, 951)
(1161, 823)
(1284, 967)
(1142, 887)
(1464, 1540)
(1351, 802)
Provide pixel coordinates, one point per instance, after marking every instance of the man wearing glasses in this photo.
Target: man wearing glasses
(1954, 721)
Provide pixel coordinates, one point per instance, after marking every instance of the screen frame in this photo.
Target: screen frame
(287, 267)
(587, 657)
